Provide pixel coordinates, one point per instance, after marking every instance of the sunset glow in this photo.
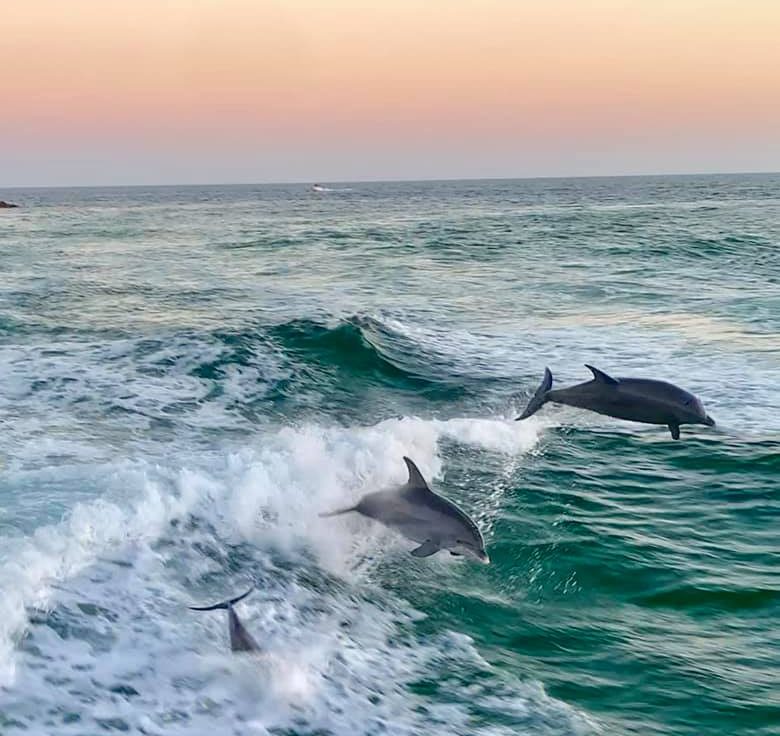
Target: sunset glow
(251, 90)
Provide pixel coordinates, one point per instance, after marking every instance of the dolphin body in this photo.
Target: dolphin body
(240, 639)
(421, 515)
(636, 399)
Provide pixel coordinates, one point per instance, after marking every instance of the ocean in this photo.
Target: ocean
(190, 375)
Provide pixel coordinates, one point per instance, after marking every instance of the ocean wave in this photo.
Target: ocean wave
(361, 345)
(88, 396)
(85, 398)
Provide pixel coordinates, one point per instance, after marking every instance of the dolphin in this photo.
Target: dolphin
(423, 516)
(240, 639)
(636, 399)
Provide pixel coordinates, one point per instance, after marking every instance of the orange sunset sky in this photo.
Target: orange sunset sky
(178, 91)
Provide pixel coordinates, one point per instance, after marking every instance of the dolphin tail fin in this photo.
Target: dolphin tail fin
(338, 512)
(540, 397)
(227, 605)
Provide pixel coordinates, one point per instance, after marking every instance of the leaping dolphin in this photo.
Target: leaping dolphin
(636, 399)
(240, 639)
(421, 515)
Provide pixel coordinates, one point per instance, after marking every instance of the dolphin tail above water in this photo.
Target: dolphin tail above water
(223, 604)
(240, 639)
(539, 399)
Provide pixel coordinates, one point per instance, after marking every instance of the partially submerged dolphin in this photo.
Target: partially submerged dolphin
(240, 639)
(421, 515)
(636, 399)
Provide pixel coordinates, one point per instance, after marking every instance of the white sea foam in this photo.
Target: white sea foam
(86, 398)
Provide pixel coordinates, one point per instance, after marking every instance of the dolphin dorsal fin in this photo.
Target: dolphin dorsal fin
(415, 476)
(601, 376)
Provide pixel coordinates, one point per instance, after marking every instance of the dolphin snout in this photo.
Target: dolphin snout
(482, 556)
(709, 421)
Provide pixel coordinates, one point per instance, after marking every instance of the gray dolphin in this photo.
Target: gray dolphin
(421, 515)
(240, 639)
(636, 399)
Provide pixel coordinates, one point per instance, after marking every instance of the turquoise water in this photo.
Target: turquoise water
(190, 375)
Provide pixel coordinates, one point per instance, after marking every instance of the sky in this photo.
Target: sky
(230, 91)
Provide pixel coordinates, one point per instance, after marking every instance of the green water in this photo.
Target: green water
(192, 374)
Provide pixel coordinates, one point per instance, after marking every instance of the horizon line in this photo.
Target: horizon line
(309, 182)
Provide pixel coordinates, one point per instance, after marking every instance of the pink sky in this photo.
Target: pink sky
(104, 91)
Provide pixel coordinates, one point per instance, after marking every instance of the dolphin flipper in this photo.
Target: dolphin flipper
(426, 549)
(539, 398)
(675, 430)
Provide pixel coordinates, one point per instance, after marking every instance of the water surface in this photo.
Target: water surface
(190, 375)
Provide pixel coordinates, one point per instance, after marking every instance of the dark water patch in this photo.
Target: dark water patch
(262, 242)
(238, 348)
(82, 621)
(712, 601)
(12, 329)
(331, 234)
(734, 455)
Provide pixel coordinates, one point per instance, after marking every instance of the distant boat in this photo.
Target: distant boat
(320, 188)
